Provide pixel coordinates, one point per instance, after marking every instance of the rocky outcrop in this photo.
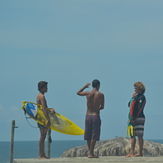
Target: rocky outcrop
(115, 147)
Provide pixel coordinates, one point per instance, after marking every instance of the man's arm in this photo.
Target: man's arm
(132, 107)
(81, 93)
(44, 109)
(141, 104)
(102, 102)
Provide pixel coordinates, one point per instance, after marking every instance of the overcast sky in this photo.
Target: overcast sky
(68, 43)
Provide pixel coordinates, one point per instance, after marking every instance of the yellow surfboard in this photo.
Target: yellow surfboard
(59, 123)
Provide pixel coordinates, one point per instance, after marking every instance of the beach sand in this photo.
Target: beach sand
(110, 159)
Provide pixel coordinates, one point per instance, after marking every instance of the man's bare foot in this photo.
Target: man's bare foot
(92, 156)
(138, 155)
(129, 155)
(43, 157)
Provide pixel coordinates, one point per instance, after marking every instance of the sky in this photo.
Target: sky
(69, 43)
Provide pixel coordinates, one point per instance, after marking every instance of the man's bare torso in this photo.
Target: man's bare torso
(41, 100)
(94, 101)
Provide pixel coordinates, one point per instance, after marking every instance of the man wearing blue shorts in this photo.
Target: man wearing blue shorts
(95, 103)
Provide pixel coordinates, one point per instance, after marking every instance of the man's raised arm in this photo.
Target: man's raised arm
(81, 93)
(45, 111)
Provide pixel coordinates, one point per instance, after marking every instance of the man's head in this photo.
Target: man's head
(96, 83)
(42, 84)
(139, 87)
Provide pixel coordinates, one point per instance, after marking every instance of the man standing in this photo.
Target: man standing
(95, 103)
(137, 118)
(42, 87)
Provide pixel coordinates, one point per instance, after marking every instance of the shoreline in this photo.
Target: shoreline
(110, 159)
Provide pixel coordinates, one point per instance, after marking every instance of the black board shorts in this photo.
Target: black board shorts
(92, 127)
(41, 126)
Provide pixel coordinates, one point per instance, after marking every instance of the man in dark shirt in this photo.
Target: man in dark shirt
(137, 117)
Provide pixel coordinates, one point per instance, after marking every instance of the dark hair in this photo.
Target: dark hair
(95, 83)
(42, 84)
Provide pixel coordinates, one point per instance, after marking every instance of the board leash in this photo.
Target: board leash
(27, 120)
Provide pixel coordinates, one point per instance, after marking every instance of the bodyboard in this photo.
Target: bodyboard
(130, 130)
(59, 123)
(130, 127)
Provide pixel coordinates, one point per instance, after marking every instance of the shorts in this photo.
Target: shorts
(139, 126)
(92, 127)
(41, 126)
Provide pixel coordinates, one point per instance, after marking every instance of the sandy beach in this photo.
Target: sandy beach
(110, 159)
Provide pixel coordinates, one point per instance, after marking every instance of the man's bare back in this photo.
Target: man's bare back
(95, 100)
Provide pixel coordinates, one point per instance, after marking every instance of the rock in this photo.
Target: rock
(115, 147)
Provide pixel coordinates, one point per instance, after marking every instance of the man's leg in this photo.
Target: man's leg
(43, 133)
(95, 135)
(141, 143)
(139, 124)
(133, 142)
(92, 146)
(91, 149)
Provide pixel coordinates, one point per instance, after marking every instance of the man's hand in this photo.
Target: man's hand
(87, 85)
(52, 111)
(134, 95)
(48, 123)
(132, 121)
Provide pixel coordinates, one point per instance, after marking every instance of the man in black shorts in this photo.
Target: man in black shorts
(95, 103)
(42, 87)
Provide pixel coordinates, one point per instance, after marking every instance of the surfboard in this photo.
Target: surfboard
(59, 123)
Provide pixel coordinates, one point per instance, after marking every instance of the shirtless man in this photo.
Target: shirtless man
(95, 103)
(42, 87)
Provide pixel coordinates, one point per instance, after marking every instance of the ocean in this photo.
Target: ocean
(29, 149)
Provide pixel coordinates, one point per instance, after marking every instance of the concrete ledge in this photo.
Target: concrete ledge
(110, 159)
